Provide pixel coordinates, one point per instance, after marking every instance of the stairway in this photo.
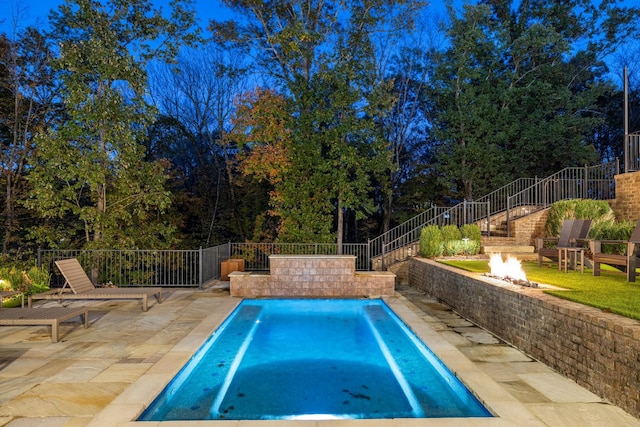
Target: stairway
(498, 214)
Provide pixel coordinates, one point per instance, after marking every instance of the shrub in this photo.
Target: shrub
(450, 232)
(461, 247)
(471, 232)
(597, 210)
(449, 240)
(431, 241)
(39, 279)
(31, 281)
(612, 231)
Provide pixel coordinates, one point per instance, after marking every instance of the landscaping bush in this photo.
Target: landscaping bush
(31, 281)
(597, 210)
(471, 232)
(461, 247)
(449, 240)
(38, 280)
(450, 232)
(431, 241)
(612, 231)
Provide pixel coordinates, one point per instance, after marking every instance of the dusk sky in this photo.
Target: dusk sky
(35, 12)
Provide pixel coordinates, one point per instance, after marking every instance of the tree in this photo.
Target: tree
(199, 91)
(517, 90)
(90, 170)
(409, 67)
(28, 90)
(321, 57)
(262, 131)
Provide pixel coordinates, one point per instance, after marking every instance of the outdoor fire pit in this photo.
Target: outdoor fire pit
(509, 270)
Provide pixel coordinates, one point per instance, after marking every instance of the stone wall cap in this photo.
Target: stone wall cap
(313, 256)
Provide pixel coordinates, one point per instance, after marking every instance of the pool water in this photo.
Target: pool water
(313, 359)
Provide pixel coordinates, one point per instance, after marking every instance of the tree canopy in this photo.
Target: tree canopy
(122, 125)
(89, 170)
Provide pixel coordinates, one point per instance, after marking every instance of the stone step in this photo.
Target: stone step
(522, 252)
(508, 249)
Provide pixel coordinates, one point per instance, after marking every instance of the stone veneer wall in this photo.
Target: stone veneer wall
(598, 350)
(527, 229)
(627, 202)
(312, 276)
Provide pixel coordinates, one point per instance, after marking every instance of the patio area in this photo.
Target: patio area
(104, 375)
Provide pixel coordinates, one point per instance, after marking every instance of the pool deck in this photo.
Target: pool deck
(106, 374)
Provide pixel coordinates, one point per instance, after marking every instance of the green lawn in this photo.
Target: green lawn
(610, 291)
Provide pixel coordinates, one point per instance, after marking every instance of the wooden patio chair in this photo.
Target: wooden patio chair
(80, 287)
(626, 262)
(555, 249)
(574, 253)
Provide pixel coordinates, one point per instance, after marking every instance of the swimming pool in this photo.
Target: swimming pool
(313, 359)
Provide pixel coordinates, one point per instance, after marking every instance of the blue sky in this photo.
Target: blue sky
(34, 12)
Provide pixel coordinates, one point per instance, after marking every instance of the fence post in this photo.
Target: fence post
(508, 209)
(464, 212)
(200, 265)
(585, 187)
(488, 219)
(384, 244)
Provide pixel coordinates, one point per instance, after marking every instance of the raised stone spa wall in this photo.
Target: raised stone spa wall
(312, 276)
(598, 350)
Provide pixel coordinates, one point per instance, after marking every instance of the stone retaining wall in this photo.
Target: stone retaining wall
(598, 350)
(328, 276)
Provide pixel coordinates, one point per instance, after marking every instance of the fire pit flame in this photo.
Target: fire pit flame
(511, 269)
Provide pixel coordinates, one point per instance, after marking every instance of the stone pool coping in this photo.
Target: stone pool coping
(508, 410)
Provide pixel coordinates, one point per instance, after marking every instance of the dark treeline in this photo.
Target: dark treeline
(297, 121)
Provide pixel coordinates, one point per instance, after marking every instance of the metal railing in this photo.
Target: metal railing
(183, 268)
(589, 182)
(632, 152)
(210, 259)
(130, 267)
(463, 213)
(516, 199)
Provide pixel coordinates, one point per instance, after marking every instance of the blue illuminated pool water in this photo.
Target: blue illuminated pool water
(313, 359)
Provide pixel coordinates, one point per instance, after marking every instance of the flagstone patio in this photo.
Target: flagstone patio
(103, 375)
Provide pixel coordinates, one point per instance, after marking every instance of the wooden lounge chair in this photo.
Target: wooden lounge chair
(80, 287)
(573, 230)
(626, 262)
(43, 316)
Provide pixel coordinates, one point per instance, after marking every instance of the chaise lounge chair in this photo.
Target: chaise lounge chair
(626, 262)
(43, 316)
(80, 287)
(556, 249)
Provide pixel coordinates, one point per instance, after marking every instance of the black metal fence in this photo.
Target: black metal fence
(130, 267)
(183, 268)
